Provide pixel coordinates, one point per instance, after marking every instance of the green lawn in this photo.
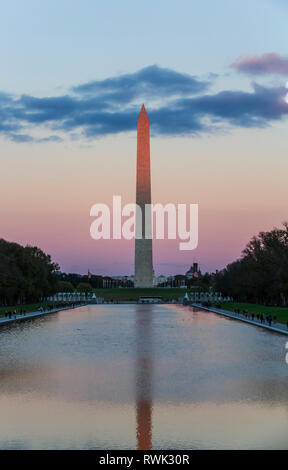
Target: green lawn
(134, 293)
(280, 312)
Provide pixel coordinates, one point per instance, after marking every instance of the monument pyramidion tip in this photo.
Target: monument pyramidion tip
(143, 114)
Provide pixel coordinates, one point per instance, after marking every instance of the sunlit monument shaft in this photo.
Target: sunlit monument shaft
(143, 246)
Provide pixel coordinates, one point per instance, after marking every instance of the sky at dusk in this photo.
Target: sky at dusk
(74, 75)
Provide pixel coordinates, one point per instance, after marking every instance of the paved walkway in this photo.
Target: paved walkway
(278, 327)
(17, 318)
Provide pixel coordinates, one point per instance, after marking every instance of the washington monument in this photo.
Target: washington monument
(143, 246)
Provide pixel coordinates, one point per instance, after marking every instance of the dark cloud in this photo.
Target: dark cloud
(149, 82)
(247, 109)
(179, 105)
(237, 108)
(260, 65)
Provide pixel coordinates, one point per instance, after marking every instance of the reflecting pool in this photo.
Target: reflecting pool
(142, 376)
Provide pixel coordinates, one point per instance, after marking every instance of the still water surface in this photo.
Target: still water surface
(142, 376)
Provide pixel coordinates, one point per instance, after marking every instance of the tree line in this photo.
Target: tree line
(27, 274)
(261, 274)
(69, 282)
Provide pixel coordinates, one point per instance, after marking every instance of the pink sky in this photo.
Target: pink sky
(238, 180)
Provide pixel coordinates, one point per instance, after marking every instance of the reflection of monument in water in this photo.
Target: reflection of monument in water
(143, 246)
(144, 376)
(143, 278)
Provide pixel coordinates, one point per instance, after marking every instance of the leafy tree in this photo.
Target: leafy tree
(84, 287)
(261, 275)
(65, 286)
(27, 274)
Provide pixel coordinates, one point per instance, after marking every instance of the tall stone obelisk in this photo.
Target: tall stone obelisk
(143, 246)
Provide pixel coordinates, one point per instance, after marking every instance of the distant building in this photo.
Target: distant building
(159, 280)
(193, 272)
(123, 281)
